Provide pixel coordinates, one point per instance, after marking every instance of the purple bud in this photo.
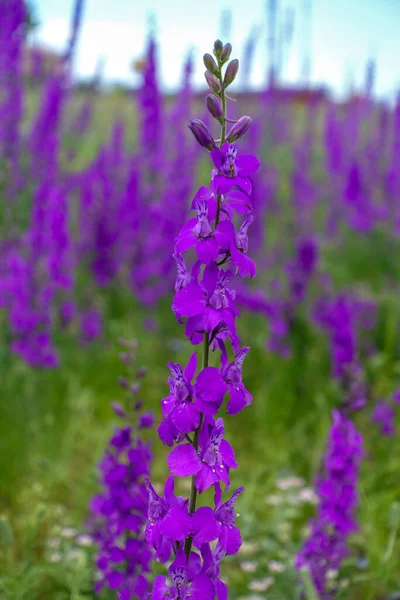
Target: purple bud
(231, 72)
(117, 408)
(135, 388)
(141, 372)
(218, 47)
(212, 82)
(202, 134)
(125, 357)
(146, 420)
(214, 107)
(138, 405)
(123, 382)
(210, 64)
(239, 129)
(226, 52)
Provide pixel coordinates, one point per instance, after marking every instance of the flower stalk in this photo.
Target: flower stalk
(205, 301)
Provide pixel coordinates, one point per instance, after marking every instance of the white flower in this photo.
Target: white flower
(248, 566)
(84, 540)
(276, 567)
(287, 483)
(69, 532)
(248, 547)
(307, 495)
(261, 585)
(55, 557)
(274, 499)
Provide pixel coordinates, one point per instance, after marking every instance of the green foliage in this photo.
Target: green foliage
(54, 426)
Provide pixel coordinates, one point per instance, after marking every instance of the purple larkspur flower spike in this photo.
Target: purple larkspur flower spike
(210, 254)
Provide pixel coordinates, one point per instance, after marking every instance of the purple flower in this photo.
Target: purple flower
(183, 406)
(204, 298)
(146, 420)
(168, 520)
(337, 491)
(188, 583)
(232, 170)
(213, 461)
(211, 568)
(209, 305)
(118, 513)
(179, 406)
(209, 525)
(384, 415)
(198, 231)
(210, 389)
(184, 277)
(238, 201)
(232, 374)
(216, 455)
(91, 325)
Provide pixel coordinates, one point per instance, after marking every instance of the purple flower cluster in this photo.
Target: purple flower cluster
(123, 221)
(282, 307)
(119, 512)
(384, 414)
(336, 487)
(205, 301)
(343, 317)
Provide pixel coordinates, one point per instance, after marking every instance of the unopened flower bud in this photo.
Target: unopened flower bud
(146, 420)
(123, 382)
(210, 64)
(212, 82)
(141, 372)
(218, 47)
(125, 357)
(239, 129)
(135, 388)
(202, 134)
(231, 72)
(117, 408)
(226, 52)
(214, 107)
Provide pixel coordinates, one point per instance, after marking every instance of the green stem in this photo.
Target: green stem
(222, 140)
(223, 102)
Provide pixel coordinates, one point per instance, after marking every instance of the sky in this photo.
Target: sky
(341, 37)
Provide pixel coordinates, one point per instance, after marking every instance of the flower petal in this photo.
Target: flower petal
(239, 201)
(202, 588)
(247, 164)
(210, 389)
(207, 250)
(225, 235)
(227, 454)
(205, 478)
(217, 157)
(205, 526)
(186, 417)
(160, 588)
(183, 461)
(190, 368)
(223, 184)
(177, 525)
(189, 301)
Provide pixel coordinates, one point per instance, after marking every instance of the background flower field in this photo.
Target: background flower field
(95, 186)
